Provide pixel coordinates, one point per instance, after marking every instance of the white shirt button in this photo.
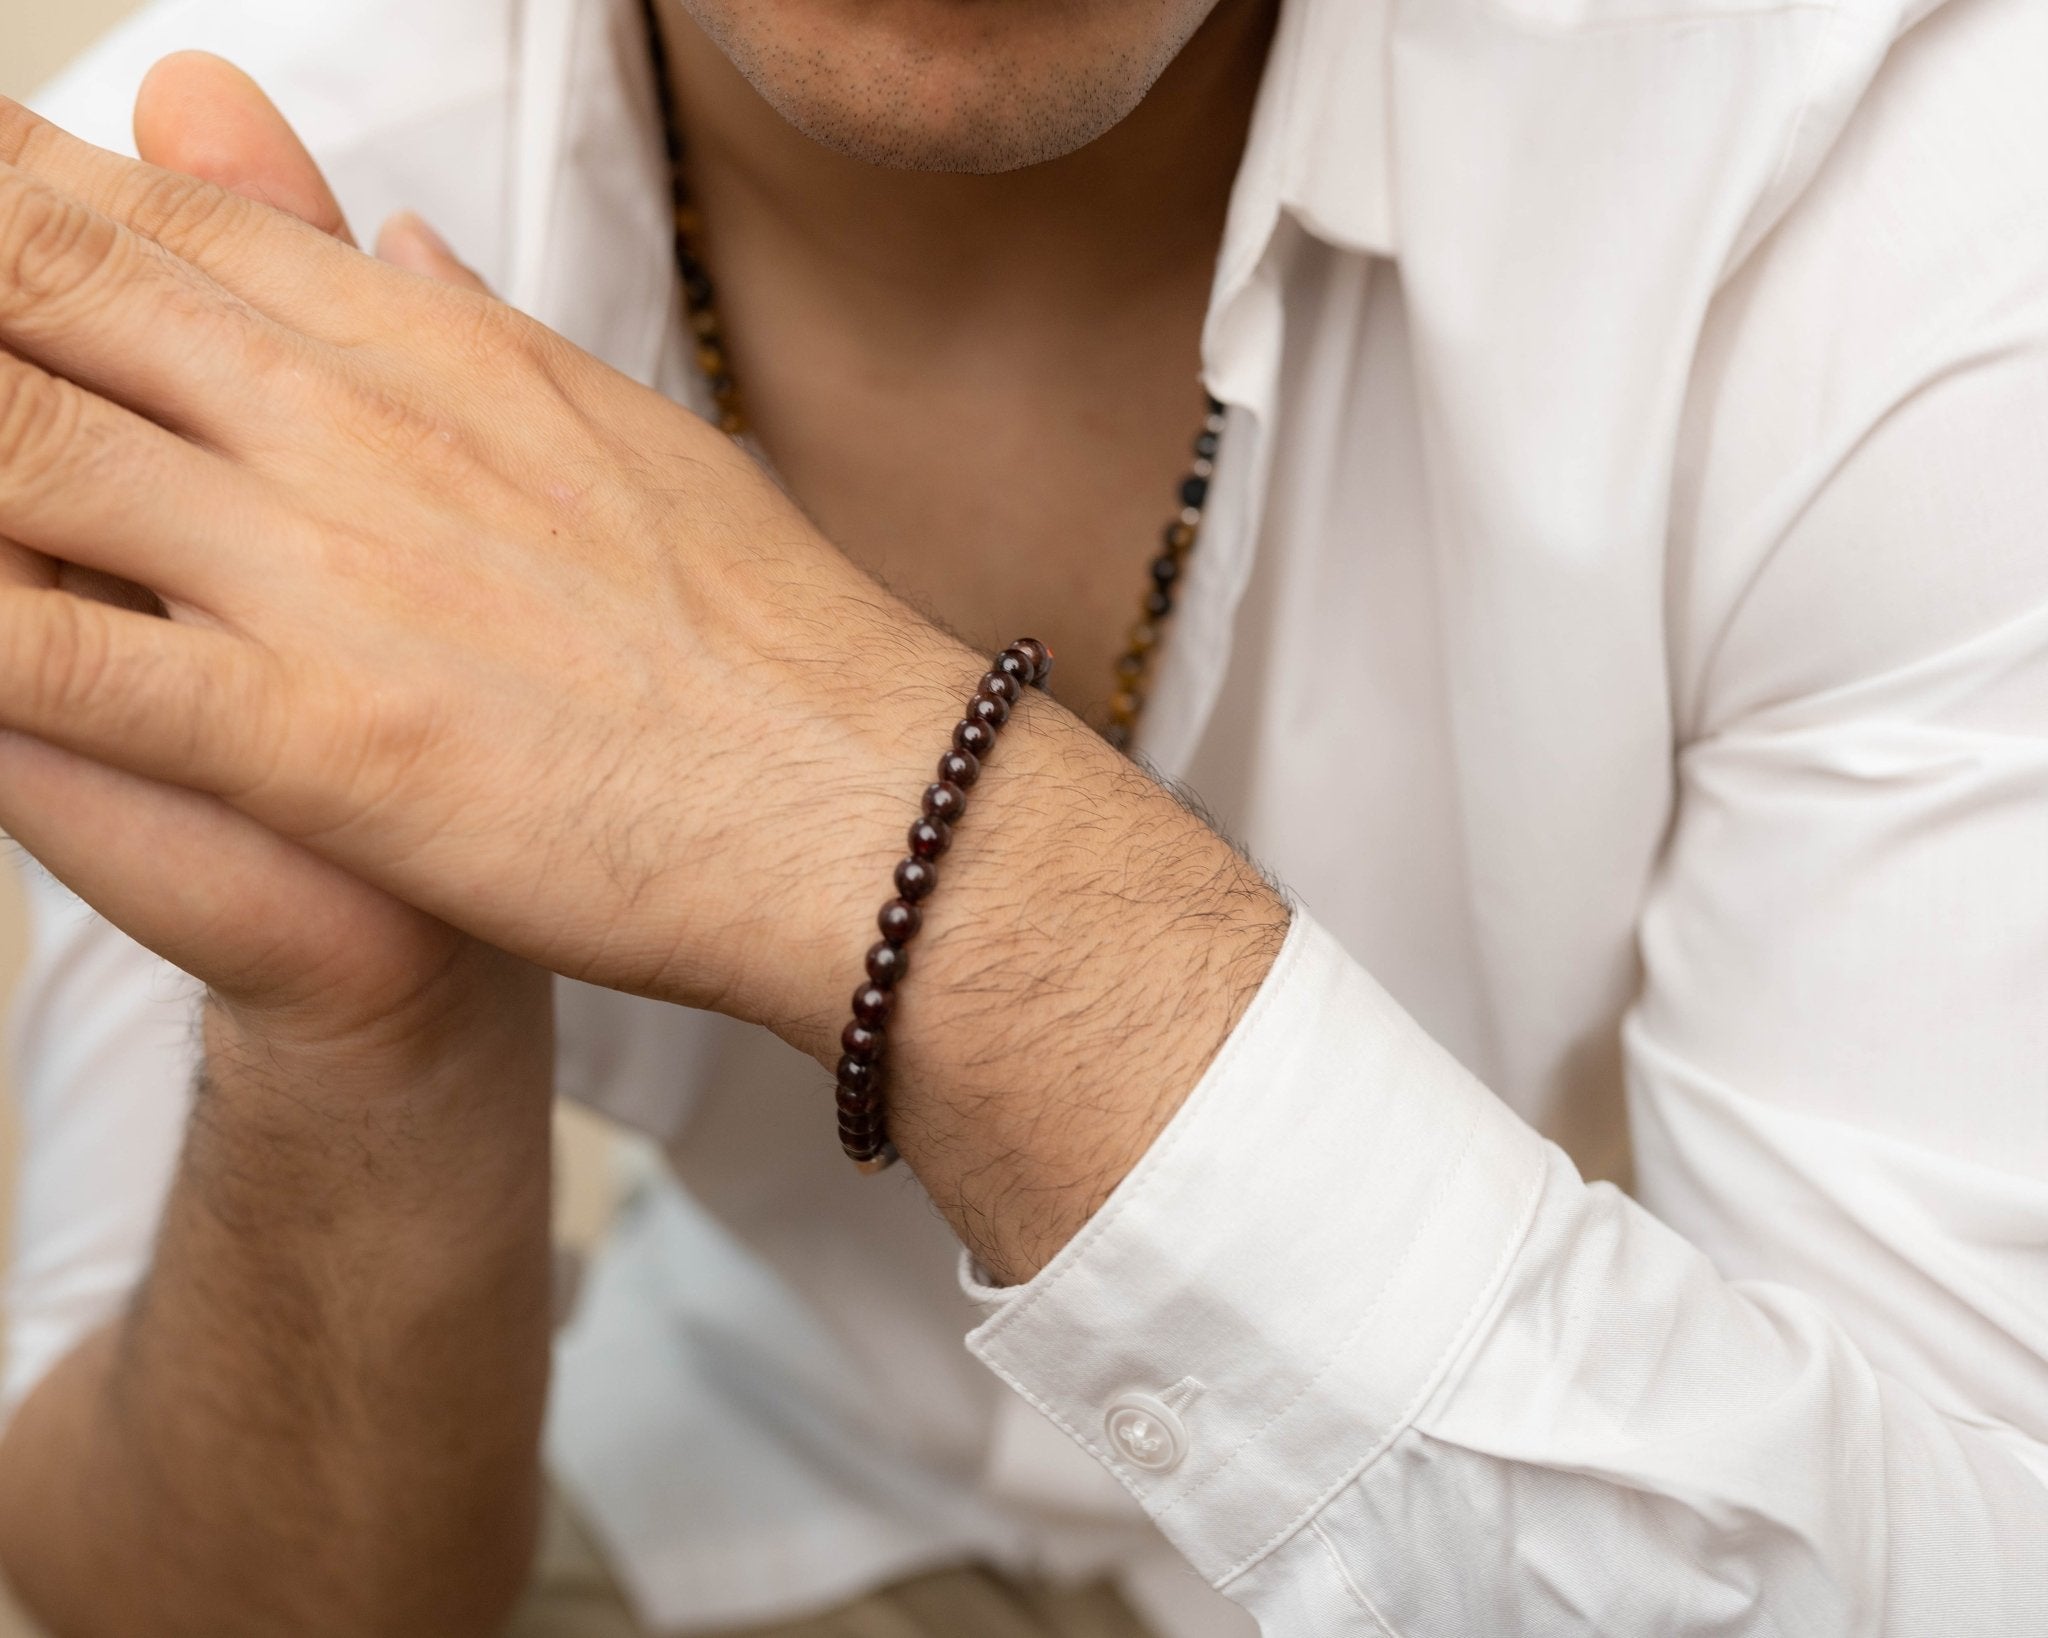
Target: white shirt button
(1147, 1433)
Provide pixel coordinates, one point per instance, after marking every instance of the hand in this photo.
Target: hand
(451, 605)
(282, 937)
(457, 608)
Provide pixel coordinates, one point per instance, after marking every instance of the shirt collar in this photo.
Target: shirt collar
(1318, 149)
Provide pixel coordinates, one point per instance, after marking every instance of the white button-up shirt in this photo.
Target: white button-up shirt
(1630, 551)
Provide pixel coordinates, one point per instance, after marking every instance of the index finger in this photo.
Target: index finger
(265, 256)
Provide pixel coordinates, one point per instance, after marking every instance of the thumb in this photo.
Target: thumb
(200, 115)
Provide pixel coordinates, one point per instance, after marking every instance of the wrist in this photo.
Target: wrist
(1089, 947)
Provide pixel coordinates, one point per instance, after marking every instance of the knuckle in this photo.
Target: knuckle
(49, 246)
(39, 424)
(71, 665)
(178, 212)
(486, 334)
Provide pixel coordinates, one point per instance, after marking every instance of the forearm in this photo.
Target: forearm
(1091, 944)
(321, 1413)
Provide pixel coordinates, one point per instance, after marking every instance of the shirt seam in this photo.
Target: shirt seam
(1349, 1583)
(1424, 1220)
(1431, 1381)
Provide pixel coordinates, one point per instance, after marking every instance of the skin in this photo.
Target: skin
(482, 661)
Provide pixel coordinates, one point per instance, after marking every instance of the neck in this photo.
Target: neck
(1126, 214)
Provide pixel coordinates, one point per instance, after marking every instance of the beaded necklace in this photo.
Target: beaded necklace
(1141, 642)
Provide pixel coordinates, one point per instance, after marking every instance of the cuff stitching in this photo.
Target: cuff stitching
(1431, 1379)
(1423, 1221)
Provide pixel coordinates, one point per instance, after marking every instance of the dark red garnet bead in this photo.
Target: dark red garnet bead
(944, 801)
(930, 837)
(915, 878)
(888, 962)
(859, 1075)
(1036, 655)
(863, 1119)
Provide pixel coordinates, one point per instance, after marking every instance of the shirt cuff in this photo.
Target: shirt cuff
(1289, 1273)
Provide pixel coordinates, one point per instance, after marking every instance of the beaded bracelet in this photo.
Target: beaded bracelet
(863, 1118)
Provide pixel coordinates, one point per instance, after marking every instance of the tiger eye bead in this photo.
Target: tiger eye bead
(887, 963)
(985, 708)
(1000, 685)
(915, 878)
(1179, 537)
(872, 1005)
(944, 802)
(929, 837)
(958, 767)
(1130, 668)
(857, 1040)
(975, 738)
(1143, 637)
(899, 921)
(860, 1076)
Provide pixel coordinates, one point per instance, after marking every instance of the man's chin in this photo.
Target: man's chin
(972, 86)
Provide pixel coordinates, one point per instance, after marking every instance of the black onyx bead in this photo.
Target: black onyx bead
(855, 1103)
(860, 1076)
(944, 802)
(1194, 492)
(1037, 653)
(1165, 571)
(977, 739)
(929, 837)
(1000, 685)
(1158, 605)
(887, 963)
(1206, 445)
(859, 1041)
(871, 1004)
(899, 921)
(958, 767)
(986, 708)
(915, 878)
